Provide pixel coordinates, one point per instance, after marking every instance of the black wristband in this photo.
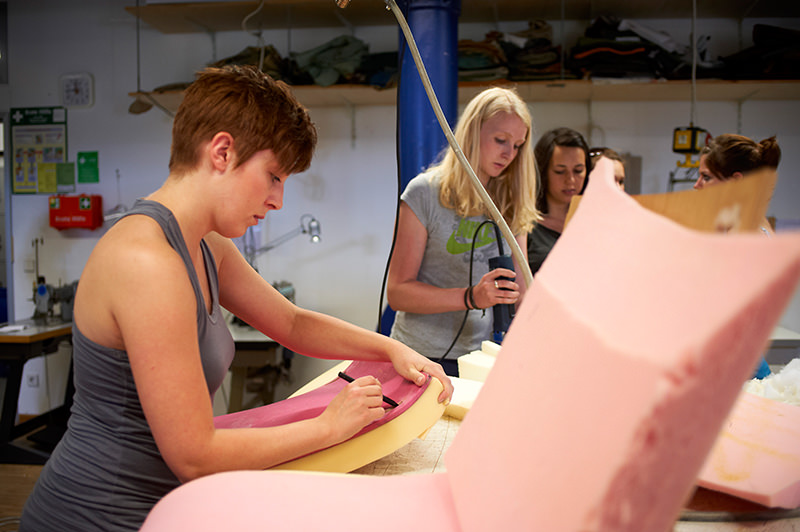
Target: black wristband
(472, 299)
(466, 303)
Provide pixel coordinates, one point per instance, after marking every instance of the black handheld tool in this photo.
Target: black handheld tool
(503, 313)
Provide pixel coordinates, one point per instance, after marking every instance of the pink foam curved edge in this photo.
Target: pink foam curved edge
(286, 501)
(313, 403)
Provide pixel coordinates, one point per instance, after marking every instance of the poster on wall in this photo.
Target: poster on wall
(88, 169)
(38, 137)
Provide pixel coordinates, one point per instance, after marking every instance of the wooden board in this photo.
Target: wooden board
(734, 206)
(16, 483)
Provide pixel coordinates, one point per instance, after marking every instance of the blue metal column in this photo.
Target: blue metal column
(434, 25)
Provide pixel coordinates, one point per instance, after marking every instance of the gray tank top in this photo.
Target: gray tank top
(107, 472)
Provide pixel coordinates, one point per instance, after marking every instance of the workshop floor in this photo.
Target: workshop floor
(16, 483)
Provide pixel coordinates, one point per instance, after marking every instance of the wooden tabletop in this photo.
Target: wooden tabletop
(29, 331)
(783, 337)
(16, 483)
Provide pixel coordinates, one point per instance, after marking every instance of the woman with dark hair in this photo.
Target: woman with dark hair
(619, 165)
(562, 157)
(731, 156)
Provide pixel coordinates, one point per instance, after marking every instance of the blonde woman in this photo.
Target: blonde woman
(436, 274)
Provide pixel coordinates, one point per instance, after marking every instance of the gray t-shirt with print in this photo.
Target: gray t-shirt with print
(446, 264)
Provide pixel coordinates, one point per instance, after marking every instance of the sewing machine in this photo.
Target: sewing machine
(46, 297)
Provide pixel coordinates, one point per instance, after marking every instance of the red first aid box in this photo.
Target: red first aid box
(76, 212)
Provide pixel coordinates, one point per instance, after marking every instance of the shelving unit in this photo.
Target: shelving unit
(539, 91)
(192, 17)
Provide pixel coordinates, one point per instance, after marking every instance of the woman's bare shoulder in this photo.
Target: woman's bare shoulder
(135, 242)
(131, 267)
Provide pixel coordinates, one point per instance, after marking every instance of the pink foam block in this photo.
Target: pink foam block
(757, 454)
(288, 501)
(613, 381)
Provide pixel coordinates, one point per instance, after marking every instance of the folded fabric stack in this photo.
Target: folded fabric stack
(271, 61)
(775, 54)
(377, 70)
(609, 52)
(481, 61)
(336, 61)
(532, 55)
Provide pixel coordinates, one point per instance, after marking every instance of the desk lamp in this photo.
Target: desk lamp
(308, 225)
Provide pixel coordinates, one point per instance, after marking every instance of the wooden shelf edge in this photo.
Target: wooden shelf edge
(207, 16)
(536, 91)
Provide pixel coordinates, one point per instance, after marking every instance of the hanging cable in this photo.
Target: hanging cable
(400, 58)
(138, 53)
(694, 65)
(469, 281)
(256, 34)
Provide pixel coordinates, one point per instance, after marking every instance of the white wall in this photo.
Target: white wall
(350, 188)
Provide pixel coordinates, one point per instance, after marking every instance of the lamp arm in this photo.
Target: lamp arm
(252, 254)
(516, 251)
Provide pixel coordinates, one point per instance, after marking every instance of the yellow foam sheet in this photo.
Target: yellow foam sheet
(465, 391)
(475, 366)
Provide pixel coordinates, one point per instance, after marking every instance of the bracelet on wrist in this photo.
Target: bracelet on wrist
(466, 302)
(472, 298)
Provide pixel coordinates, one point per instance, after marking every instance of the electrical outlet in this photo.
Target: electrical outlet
(33, 381)
(30, 266)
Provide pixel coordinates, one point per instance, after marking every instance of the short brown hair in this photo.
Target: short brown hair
(259, 112)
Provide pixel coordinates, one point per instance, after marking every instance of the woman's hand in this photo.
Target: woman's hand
(416, 368)
(491, 290)
(356, 406)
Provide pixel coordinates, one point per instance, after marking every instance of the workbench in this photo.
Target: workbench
(784, 346)
(20, 342)
(25, 339)
(254, 350)
(706, 511)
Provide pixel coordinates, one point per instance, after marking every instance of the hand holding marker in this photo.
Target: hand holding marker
(386, 400)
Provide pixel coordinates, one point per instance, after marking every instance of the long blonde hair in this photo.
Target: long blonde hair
(513, 191)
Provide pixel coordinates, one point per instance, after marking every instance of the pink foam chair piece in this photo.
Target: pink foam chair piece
(757, 453)
(313, 403)
(613, 381)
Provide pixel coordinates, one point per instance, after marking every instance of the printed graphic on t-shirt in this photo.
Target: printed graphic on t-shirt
(460, 240)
